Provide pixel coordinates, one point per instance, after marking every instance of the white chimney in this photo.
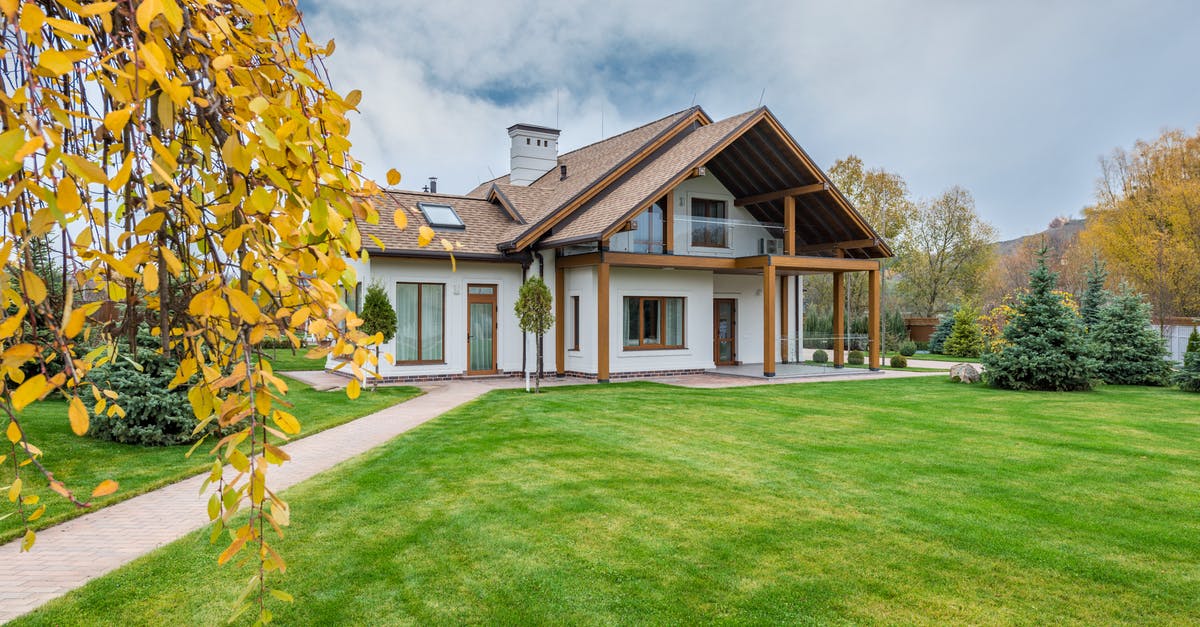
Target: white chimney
(534, 152)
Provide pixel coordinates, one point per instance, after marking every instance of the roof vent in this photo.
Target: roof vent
(562, 172)
(534, 152)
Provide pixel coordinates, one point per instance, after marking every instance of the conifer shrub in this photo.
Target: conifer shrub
(154, 415)
(1128, 350)
(942, 331)
(1188, 379)
(966, 338)
(899, 361)
(908, 349)
(1193, 345)
(819, 356)
(1045, 347)
(856, 358)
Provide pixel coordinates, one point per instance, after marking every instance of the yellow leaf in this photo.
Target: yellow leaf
(286, 422)
(115, 121)
(150, 278)
(96, 8)
(29, 392)
(14, 490)
(424, 236)
(401, 219)
(106, 487)
(258, 105)
(146, 12)
(78, 415)
(37, 513)
(353, 389)
(75, 322)
(32, 18)
(281, 595)
(55, 62)
(239, 461)
(353, 98)
(393, 177)
(35, 289)
(13, 432)
(28, 540)
(214, 507)
(68, 195)
(244, 305)
(222, 62)
(150, 223)
(300, 316)
(9, 7)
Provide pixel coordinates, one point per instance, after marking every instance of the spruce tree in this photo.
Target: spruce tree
(1188, 378)
(945, 325)
(378, 316)
(966, 340)
(1045, 347)
(1129, 350)
(1193, 345)
(1094, 296)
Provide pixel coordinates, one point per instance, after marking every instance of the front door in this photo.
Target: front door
(481, 329)
(725, 331)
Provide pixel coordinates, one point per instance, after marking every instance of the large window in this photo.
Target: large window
(647, 233)
(573, 325)
(653, 322)
(709, 223)
(420, 322)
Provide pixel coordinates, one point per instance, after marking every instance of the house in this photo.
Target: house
(675, 247)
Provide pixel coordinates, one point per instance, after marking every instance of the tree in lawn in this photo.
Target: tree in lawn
(1095, 296)
(533, 309)
(1045, 346)
(189, 147)
(966, 338)
(1188, 378)
(1129, 350)
(1193, 345)
(937, 340)
(379, 319)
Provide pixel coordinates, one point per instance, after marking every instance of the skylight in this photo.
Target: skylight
(441, 215)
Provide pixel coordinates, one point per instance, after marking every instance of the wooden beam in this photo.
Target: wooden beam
(769, 321)
(874, 308)
(560, 321)
(576, 261)
(839, 320)
(789, 225)
(669, 227)
(854, 243)
(783, 193)
(783, 318)
(602, 313)
(811, 264)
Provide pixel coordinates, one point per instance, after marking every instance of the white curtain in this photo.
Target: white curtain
(674, 322)
(432, 301)
(406, 322)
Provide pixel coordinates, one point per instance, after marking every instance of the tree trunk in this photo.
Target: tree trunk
(537, 386)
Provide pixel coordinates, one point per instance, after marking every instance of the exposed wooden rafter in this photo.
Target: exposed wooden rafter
(783, 193)
(851, 244)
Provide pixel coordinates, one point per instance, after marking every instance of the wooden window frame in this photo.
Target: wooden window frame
(420, 299)
(708, 203)
(574, 323)
(662, 323)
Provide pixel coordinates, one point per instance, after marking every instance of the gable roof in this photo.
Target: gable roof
(486, 225)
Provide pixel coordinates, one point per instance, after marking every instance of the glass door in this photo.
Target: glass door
(725, 331)
(481, 329)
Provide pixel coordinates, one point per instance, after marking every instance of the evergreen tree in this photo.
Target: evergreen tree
(1193, 345)
(534, 316)
(1094, 296)
(966, 339)
(1129, 351)
(1189, 378)
(378, 316)
(945, 325)
(1045, 347)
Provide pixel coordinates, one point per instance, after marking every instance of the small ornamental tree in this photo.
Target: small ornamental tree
(534, 316)
(1129, 350)
(1044, 345)
(1094, 295)
(966, 340)
(379, 319)
(945, 325)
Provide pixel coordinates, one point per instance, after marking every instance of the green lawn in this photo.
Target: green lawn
(84, 462)
(283, 360)
(828, 364)
(897, 501)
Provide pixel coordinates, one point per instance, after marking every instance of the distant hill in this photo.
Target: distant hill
(1057, 235)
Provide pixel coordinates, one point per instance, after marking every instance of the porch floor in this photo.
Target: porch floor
(787, 371)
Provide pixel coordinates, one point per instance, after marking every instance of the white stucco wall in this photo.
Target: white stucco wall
(581, 282)
(694, 285)
(507, 278)
(743, 239)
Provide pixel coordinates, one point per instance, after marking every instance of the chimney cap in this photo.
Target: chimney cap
(533, 127)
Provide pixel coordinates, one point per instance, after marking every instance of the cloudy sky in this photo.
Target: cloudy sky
(1014, 100)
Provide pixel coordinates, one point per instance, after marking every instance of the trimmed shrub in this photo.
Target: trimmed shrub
(1129, 350)
(908, 349)
(966, 338)
(899, 361)
(820, 356)
(1045, 347)
(154, 415)
(1188, 379)
(855, 358)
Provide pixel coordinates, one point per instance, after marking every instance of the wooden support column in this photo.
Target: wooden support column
(768, 320)
(602, 313)
(784, 344)
(874, 308)
(669, 227)
(789, 225)
(839, 319)
(560, 322)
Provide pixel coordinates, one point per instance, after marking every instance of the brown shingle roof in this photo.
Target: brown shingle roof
(640, 184)
(486, 225)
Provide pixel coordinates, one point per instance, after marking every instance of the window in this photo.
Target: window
(440, 215)
(708, 223)
(420, 322)
(354, 298)
(653, 322)
(573, 325)
(647, 233)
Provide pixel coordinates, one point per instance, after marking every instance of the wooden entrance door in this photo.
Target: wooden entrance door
(725, 331)
(481, 329)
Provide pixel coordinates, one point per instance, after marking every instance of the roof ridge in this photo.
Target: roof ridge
(436, 194)
(692, 109)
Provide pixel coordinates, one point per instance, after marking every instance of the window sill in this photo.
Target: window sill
(636, 349)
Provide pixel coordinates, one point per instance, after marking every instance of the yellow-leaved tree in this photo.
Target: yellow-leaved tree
(189, 160)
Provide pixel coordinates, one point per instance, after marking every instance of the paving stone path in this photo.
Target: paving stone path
(69, 555)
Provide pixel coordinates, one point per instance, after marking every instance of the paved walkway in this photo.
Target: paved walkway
(69, 555)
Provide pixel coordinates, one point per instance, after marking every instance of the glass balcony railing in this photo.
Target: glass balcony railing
(702, 237)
